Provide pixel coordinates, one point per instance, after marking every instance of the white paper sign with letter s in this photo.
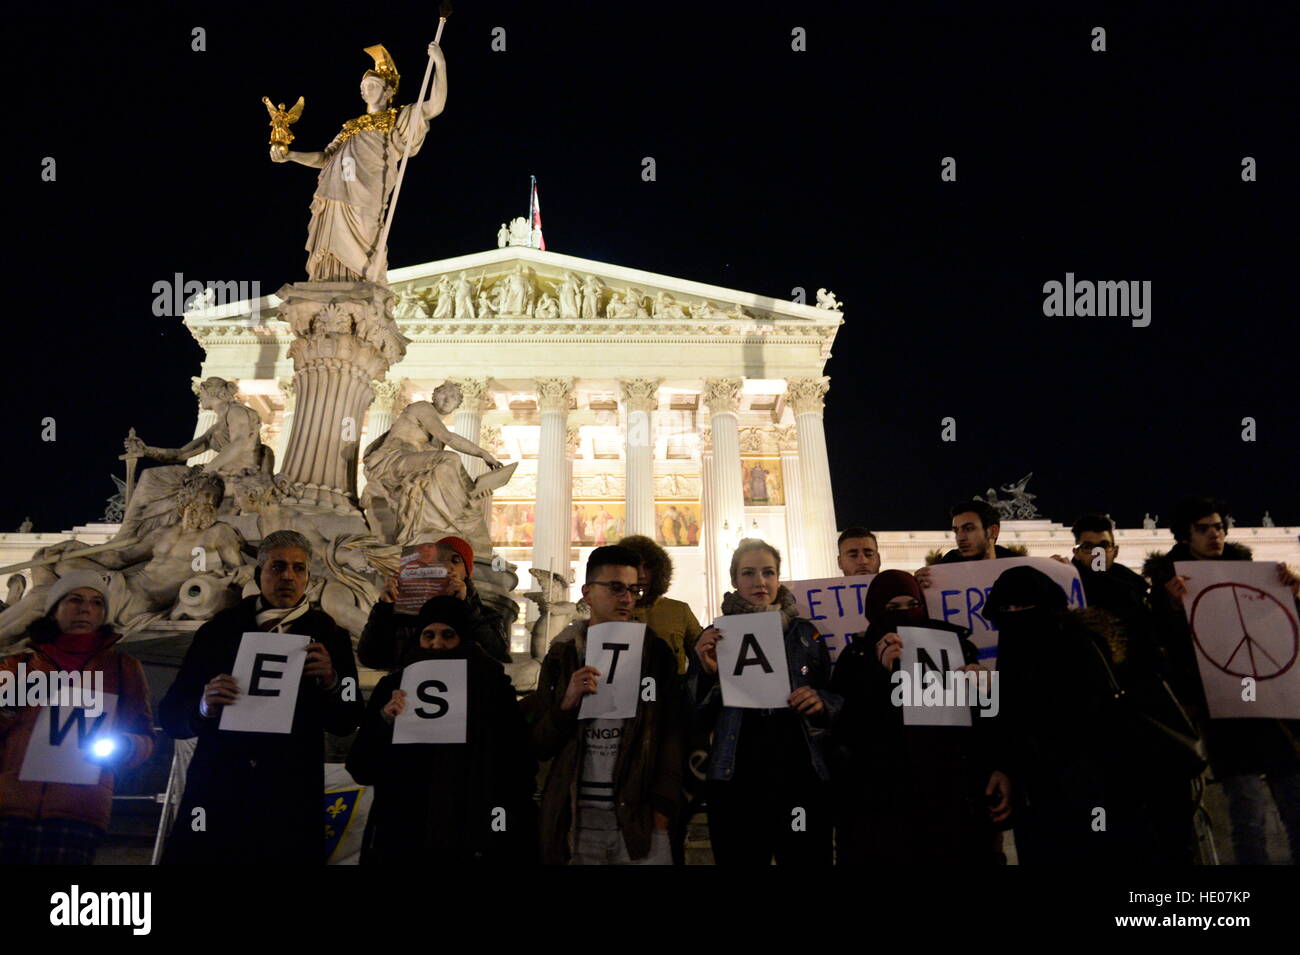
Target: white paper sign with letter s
(929, 655)
(1247, 639)
(56, 752)
(437, 703)
(615, 650)
(751, 661)
(268, 669)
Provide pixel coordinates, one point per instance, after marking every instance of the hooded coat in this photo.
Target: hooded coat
(443, 803)
(1235, 746)
(906, 795)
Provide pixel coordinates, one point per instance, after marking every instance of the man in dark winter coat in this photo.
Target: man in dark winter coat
(256, 798)
(1240, 750)
(975, 526)
(452, 803)
(389, 635)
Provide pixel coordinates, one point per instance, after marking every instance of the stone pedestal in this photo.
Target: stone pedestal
(344, 338)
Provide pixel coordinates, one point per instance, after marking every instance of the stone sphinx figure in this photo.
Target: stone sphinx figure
(146, 577)
(236, 439)
(358, 170)
(416, 476)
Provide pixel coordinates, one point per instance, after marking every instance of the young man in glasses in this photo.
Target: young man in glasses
(613, 786)
(1254, 759)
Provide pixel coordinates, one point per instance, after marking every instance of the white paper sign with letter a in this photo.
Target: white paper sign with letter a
(56, 752)
(928, 657)
(268, 669)
(751, 661)
(615, 650)
(437, 703)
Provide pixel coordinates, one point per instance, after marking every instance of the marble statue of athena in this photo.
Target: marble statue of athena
(358, 170)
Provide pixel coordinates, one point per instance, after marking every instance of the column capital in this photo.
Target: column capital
(808, 394)
(722, 395)
(554, 394)
(787, 439)
(475, 393)
(386, 393)
(640, 394)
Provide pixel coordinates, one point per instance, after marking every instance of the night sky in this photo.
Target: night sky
(775, 169)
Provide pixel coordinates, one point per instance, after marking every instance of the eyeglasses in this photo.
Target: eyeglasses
(618, 588)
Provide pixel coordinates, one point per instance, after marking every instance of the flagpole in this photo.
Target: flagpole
(382, 248)
(532, 191)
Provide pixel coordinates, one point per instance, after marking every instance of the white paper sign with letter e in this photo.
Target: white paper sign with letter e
(928, 657)
(56, 752)
(615, 650)
(437, 703)
(751, 661)
(268, 669)
(1247, 639)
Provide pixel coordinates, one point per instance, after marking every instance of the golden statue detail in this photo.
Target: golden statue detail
(280, 122)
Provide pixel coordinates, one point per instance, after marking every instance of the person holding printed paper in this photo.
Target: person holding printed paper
(910, 795)
(614, 785)
(457, 803)
(768, 774)
(975, 527)
(255, 797)
(389, 635)
(61, 823)
(1255, 759)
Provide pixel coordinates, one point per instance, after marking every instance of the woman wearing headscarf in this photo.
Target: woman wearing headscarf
(909, 795)
(457, 803)
(57, 823)
(768, 775)
(1056, 703)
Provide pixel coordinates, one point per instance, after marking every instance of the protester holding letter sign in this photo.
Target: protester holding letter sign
(254, 797)
(60, 823)
(448, 803)
(909, 795)
(1242, 749)
(768, 772)
(389, 635)
(614, 786)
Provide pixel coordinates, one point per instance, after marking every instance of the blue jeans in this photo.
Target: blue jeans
(1248, 796)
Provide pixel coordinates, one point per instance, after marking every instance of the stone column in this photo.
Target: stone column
(713, 587)
(344, 338)
(725, 495)
(640, 397)
(286, 426)
(207, 418)
(796, 558)
(807, 397)
(378, 420)
(554, 526)
(475, 399)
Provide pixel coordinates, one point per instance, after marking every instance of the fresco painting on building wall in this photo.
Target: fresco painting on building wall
(596, 523)
(513, 523)
(762, 481)
(677, 524)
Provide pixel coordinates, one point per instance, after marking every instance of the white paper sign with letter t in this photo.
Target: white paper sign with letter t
(751, 661)
(615, 650)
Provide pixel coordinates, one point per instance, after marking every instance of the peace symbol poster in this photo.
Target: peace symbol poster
(1246, 636)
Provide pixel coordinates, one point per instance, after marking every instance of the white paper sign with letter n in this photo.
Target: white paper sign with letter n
(268, 669)
(60, 741)
(615, 650)
(1244, 627)
(751, 661)
(437, 703)
(928, 657)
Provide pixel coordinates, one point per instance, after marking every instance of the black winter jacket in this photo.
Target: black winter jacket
(389, 636)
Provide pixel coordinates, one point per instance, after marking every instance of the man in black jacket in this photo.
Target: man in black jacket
(457, 803)
(1240, 750)
(388, 635)
(256, 798)
(975, 527)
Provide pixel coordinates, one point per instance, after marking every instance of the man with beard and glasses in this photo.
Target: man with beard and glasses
(909, 795)
(254, 798)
